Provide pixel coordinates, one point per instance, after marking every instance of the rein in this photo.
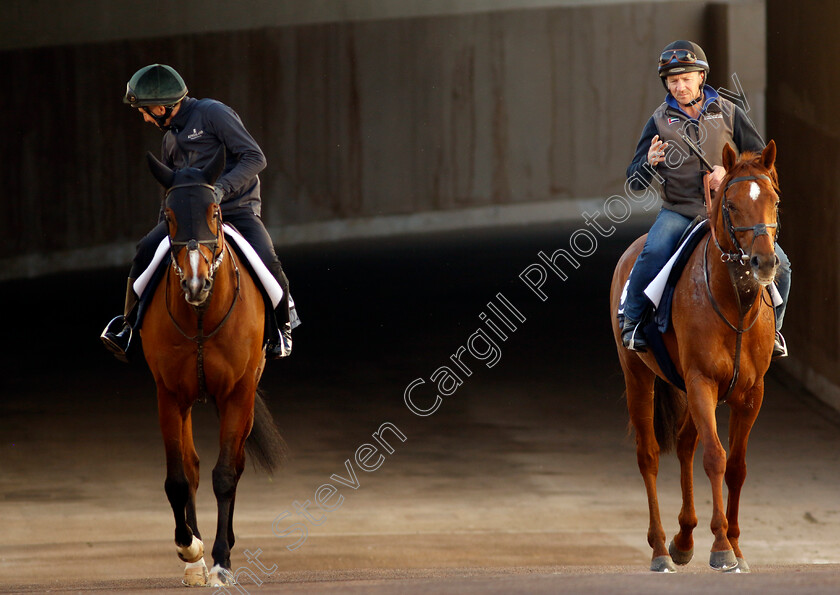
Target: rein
(192, 245)
(200, 338)
(728, 258)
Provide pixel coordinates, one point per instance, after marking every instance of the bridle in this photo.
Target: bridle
(738, 258)
(192, 244)
(759, 229)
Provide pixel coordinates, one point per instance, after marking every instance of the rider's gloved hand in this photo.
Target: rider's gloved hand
(219, 193)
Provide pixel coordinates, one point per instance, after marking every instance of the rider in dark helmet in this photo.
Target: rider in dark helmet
(695, 109)
(194, 130)
(156, 85)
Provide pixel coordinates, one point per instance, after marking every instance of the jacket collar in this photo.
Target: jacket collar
(710, 102)
(180, 119)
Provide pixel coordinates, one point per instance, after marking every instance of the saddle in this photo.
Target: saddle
(147, 282)
(660, 291)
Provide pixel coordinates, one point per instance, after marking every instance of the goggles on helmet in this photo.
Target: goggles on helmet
(680, 56)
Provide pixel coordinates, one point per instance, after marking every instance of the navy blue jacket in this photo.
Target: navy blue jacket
(197, 131)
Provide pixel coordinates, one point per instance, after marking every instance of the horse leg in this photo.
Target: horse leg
(740, 423)
(191, 468)
(237, 416)
(195, 573)
(639, 381)
(177, 486)
(702, 401)
(681, 547)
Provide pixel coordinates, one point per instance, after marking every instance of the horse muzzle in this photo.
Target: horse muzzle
(196, 291)
(764, 268)
(195, 284)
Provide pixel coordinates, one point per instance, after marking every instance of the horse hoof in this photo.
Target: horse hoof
(220, 577)
(742, 566)
(193, 553)
(195, 574)
(678, 556)
(662, 564)
(724, 560)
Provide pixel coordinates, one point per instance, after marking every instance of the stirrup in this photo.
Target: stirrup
(113, 338)
(632, 337)
(283, 348)
(780, 349)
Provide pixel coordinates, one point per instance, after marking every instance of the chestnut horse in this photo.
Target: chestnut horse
(203, 338)
(721, 342)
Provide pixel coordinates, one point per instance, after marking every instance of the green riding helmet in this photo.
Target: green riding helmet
(156, 84)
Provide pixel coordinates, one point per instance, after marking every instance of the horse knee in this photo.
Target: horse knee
(714, 461)
(735, 473)
(648, 459)
(177, 491)
(224, 482)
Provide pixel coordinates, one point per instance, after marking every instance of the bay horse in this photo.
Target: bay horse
(721, 342)
(202, 338)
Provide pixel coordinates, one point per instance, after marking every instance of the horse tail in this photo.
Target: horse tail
(669, 407)
(265, 445)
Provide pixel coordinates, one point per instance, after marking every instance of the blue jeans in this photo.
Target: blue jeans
(660, 246)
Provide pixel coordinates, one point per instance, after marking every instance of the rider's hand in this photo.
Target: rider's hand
(716, 177)
(219, 193)
(656, 153)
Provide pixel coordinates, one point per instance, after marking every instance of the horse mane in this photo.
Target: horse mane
(747, 162)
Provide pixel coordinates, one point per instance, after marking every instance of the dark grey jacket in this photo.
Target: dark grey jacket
(197, 131)
(681, 187)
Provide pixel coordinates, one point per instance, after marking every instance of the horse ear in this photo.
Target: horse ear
(214, 169)
(161, 172)
(768, 155)
(729, 157)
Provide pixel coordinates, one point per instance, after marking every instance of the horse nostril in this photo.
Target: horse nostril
(754, 263)
(778, 262)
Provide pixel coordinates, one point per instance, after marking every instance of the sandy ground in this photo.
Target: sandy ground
(523, 480)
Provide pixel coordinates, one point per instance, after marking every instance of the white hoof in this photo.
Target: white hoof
(220, 577)
(195, 574)
(193, 553)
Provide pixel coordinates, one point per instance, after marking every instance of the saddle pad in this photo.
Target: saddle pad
(264, 276)
(144, 286)
(656, 287)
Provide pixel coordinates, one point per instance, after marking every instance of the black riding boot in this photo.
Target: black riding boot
(118, 332)
(287, 319)
(632, 336)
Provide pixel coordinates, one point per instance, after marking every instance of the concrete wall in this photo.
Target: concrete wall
(370, 125)
(803, 87)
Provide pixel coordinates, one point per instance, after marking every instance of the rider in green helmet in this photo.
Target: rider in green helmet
(194, 129)
(156, 85)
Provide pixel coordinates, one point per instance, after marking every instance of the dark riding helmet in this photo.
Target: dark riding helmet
(156, 84)
(682, 56)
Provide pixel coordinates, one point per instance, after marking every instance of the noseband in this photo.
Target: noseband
(759, 229)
